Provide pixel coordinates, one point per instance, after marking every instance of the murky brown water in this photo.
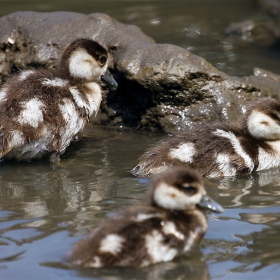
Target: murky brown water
(45, 208)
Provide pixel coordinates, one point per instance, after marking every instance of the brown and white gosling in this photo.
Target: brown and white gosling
(221, 149)
(42, 110)
(143, 235)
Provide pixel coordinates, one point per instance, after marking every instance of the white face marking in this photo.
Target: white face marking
(157, 250)
(237, 147)
(184, 152)
(171, 198)
(142, 217)
(25, 74)
(269, 160)
(261, 126)
(56, 82)
(82, 65)
(3, 94)
(112, 243)
(170, 228)
(32, 113)
(77, 98)
(225, 165)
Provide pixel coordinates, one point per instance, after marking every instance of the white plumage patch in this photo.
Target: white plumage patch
(3, 94)
(156, 249)
(25, 74)
(27, 151)
(77, 98)
(225, 165)
(96, 262)
(56, 82)
(190, 240)
(200, 216)
(261, 126)
(32, 113)
(237, 147)
(16, 139)
(184, 152)
(170, 228)
(73, 123)
(169, 197)
(94, 98)
(142, 217)
(269, 160)
(112, 243)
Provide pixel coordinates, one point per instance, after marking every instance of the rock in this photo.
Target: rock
(161, 86)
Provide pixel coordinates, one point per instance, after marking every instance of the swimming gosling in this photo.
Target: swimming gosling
(221, 149)
(147, 234)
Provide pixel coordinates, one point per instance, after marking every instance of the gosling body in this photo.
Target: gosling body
(143, 235)
(42, 110)
(221, 149)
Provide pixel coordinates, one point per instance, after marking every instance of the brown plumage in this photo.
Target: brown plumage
(41, 110)
(221, 149)
(147, 234)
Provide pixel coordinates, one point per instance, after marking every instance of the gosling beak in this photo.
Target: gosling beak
(208, 203)
(109, 80)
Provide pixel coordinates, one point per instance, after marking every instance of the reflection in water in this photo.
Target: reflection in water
(182, 269)
(263, 247)
(251, 234)
(251, 252)
(259, 189)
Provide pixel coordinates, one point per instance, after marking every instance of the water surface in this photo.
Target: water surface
(45, 208)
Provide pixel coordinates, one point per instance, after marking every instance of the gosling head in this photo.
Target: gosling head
(181, 189)
(263, 119)
(85, 60)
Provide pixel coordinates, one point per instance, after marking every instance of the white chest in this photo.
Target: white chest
(92, 93)
(94, 97)
(269, 159)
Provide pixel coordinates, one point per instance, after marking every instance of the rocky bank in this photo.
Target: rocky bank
(161, 86)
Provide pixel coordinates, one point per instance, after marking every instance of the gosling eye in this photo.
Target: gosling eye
(189, 189)
(275, 116)
(102, 59)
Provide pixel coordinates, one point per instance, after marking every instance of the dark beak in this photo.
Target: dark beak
(109, 80)
(208, 203)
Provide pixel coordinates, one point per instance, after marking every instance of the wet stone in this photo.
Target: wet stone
(161, 86)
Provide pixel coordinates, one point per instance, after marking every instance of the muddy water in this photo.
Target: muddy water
(45, 208)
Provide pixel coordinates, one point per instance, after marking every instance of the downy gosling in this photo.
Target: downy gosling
(42, 110)
(147, 234)
(221, 149)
